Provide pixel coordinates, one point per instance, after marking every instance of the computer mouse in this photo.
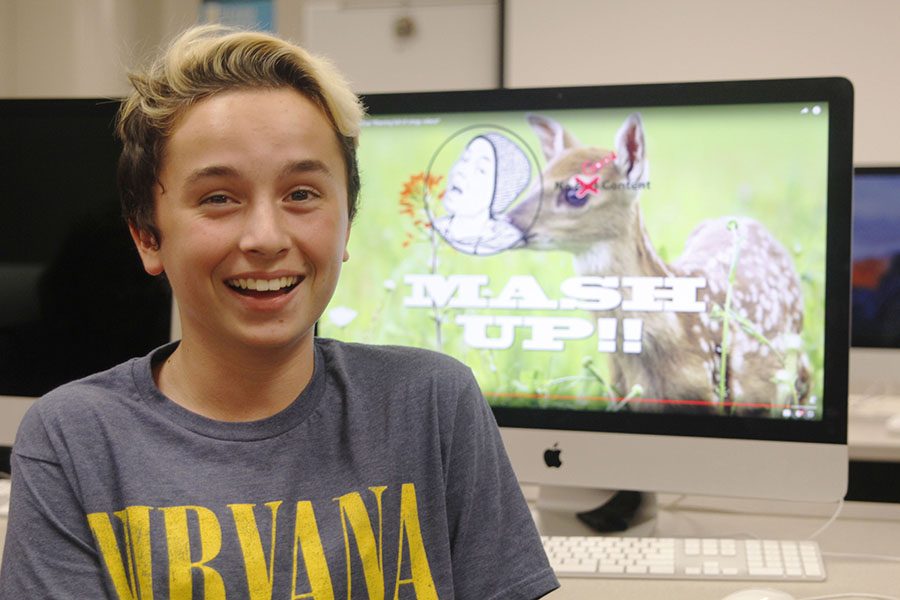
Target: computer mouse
(892, 425)
(759, 594)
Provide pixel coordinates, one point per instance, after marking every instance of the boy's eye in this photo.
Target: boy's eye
(303, 194)
(216, 199)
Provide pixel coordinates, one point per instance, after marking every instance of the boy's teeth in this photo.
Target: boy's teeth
(263, 285)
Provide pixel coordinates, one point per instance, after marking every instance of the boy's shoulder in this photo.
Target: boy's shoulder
(75, 409)
(401, 358)
(392, 367)
(101, 387)
(102, 394)
(98, 387)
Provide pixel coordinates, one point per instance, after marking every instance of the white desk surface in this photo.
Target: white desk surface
(868, 438)
(862, 528)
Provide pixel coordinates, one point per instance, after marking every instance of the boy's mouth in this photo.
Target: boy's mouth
(264, 287)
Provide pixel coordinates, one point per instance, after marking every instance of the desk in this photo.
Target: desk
(862, 528)
(867, 435)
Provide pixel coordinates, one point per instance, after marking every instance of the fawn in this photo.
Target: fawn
(765, 369)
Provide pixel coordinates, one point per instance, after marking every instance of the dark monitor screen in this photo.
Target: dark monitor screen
(74, 298)
(876, 258)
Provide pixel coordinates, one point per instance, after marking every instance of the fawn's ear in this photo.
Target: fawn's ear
(630, 150)
(554, 138)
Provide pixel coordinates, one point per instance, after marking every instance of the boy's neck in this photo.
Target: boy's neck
(236, 384)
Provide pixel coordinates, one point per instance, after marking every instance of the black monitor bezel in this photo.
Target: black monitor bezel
(838, 93)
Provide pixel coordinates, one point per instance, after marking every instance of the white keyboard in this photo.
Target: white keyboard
(685, 558)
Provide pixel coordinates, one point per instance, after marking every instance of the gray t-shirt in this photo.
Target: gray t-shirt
(386, 478)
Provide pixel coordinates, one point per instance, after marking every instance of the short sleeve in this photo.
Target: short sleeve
(496, 550)
(48, 551)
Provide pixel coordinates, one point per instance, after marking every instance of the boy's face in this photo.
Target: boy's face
(252, 215)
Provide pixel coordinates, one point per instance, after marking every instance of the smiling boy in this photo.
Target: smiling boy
(253, 220)
(251, 459)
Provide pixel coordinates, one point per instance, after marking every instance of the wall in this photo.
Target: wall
(454, 44)
(84, 48)
(81, 48)
(582, 42)
(7, 47)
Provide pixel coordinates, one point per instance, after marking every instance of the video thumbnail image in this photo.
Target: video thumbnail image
(658, 260)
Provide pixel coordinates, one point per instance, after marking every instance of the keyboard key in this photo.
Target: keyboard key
(636, 569)
(611, 569)
(662, 569)
(813, 570)
(711, 568)
(771, 571)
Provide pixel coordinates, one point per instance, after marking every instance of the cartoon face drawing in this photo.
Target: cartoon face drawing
(485, 180)
(470, 184)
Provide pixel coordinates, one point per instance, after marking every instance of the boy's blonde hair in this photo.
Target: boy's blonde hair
(207, 60)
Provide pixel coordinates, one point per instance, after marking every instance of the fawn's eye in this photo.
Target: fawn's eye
(572, 196)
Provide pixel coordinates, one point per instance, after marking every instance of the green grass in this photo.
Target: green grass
(736, 163)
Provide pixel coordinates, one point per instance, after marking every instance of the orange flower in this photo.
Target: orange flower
(412, 201)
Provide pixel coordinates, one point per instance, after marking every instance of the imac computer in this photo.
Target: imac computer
(74, 298)
(875, 330)
(651, 283)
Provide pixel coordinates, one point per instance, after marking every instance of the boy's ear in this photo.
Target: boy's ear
(148, 248)
(346, 242)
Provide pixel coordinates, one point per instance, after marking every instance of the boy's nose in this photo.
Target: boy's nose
(265, 231)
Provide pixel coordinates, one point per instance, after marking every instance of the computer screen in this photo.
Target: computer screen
(74, 298)
(650, 283)
(875, 329)
(876, 258)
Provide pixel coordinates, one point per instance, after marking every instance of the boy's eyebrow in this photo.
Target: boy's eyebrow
(299, 166)
(211, 171)
(306, 166)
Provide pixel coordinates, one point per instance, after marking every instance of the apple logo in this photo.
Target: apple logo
(551, 456)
